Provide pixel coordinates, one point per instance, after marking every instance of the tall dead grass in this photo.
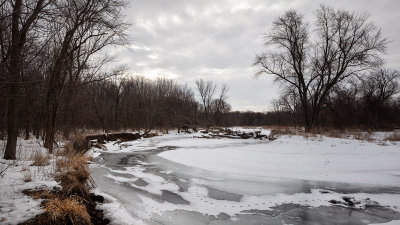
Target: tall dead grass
(67, 210)
(74, 175)
(394, 137)
(40, 159)
(362, 135)
(77, 143)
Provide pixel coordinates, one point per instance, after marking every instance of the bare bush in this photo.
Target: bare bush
(41, 159)
(67, 210)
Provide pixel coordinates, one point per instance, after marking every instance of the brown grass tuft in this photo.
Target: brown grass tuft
(71, 161)
(27, 176)
(40, 159)
(77, 143)
(75, 183)
(393, 137)
(42, 195)
(63, 211)
(74, 177)
(283, 131)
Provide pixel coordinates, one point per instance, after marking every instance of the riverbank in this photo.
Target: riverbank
(198, 177)
(201, 179)
(43, 188)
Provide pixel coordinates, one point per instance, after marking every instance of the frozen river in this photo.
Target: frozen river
(152, 181)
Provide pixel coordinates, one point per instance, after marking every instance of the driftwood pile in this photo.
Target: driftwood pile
(228, 133)
(93, 140)
(114, 137)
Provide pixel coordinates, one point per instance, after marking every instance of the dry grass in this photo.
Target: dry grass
(27, 176)
(74, 175)
(66, 206)
(69, 209)
(40, 159)
(362, 135)
(393, 137)
(42, 195)
(77, 143)
(24, 168)
(75, 183)
(278, 131)
(73, 203)
(71, 161)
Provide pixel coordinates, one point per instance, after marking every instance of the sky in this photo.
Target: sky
(218, 40)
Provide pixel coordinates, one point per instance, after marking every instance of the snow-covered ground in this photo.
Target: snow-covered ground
(18, 175)
(184, 179)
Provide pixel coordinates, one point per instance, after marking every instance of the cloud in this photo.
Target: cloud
(188, 39)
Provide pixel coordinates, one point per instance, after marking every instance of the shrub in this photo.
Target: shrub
(77, 143)
(40, 159)
(393, 137)
(67, 211)
(75, 177)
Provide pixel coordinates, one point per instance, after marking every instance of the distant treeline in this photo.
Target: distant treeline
(116, 103)
(372, 102)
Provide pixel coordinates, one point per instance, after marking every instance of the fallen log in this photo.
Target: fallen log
(123, 137)
(225, 136)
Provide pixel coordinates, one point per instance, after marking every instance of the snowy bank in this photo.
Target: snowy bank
(18, 175)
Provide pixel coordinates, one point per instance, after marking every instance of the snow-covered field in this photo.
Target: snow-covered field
(18, 175)
(184, 179)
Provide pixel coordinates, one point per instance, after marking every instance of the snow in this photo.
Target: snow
(114, 211)
(296, 157)
(394, 222)
(260, 174)
(155, 183)
(15, 207)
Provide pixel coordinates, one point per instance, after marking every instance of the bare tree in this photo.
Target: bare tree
(24, 15)
(206, 90)
(220, 105)
(381, 85)
(82, 29)
(344, 44)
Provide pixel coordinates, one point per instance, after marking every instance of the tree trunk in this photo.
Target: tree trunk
(12, 129)
(27, 134)
(37, 133)
(306, 111)
(14, 72)
(51, 110)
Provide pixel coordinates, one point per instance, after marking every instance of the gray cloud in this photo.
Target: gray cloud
(189, 39)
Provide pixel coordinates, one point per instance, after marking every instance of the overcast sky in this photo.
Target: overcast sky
(218, 40)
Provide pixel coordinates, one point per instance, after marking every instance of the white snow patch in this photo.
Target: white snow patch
(15, 207)
(114, 211)
(394, 222)
(155, 183)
